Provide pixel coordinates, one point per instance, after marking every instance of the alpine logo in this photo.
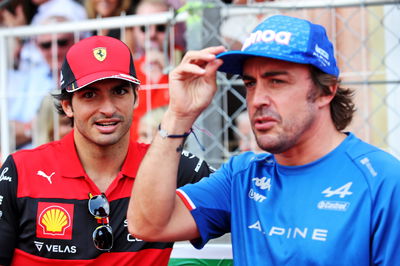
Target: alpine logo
(342, 191)
(316, 234)
(54, 220)
(262, 183)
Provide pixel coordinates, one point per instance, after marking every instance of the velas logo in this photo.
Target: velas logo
(54, 220)
(100, 53)
(267, 36)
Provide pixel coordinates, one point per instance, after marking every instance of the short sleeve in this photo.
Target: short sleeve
(8, 211)
(386, 220)
(192, 169)
(210, 204)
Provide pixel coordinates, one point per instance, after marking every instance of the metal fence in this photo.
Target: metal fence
(366, 38)
(365, 34)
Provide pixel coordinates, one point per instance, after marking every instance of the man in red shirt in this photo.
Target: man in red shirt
(65, 202)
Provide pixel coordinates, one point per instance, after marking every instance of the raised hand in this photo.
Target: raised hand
(193, 82)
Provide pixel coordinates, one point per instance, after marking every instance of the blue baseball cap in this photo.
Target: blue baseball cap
(288, 39)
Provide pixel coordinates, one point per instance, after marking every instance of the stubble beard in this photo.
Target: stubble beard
(286, 134)
(105, 140)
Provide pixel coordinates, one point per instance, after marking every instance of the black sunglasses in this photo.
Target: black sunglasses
(159, 28)
(99, 207)
(60, 42)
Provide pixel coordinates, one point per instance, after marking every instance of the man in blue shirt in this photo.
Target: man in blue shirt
(321, 197)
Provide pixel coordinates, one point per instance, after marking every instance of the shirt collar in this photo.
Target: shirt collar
(70, 164)
(136, 152)
(72, 167)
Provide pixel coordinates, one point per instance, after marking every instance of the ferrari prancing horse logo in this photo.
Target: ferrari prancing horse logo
(100, 53)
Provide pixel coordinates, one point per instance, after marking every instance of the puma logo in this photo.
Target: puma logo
(48, 177)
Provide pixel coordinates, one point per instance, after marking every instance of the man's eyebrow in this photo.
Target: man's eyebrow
(122, 84)
(246, 77)
(274, 73)
(266, 74)
(89, 88)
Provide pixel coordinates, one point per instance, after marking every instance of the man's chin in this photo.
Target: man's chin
(270, 144)
(106, 140)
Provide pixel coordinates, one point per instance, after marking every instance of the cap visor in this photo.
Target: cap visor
(234, 60)
(89, 79)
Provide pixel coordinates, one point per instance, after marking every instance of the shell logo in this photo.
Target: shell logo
(54, 220)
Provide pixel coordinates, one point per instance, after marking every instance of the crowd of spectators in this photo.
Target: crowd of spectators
(37, 60)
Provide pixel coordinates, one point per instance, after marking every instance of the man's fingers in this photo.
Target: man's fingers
(191, 69)
(215, 49)
(203, 56)
(212, 67)
(200, 62)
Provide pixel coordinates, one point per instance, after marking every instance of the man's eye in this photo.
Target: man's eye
(249, 84)
(88, 94)
(277, 81)
(120, 91)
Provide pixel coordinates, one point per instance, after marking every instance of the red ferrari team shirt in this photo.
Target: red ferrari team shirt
(44, 216)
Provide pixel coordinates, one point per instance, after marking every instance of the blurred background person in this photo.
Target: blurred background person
(106, 9)
(33, 12)
(148, 126)
(48, 124)
(38, 74)
(14, 13)
(246, 138)
(156, 33)
(234, 29)
(151, 61)
(28, 86)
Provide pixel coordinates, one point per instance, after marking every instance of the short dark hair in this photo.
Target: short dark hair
(342, 106)
(64, 95)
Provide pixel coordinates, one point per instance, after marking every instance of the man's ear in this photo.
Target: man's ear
(136, 103)
(326, 99)
(67, 107)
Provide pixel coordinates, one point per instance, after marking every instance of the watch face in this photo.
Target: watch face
(163, 133)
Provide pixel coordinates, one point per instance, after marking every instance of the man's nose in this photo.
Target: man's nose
(260, 97)
(152, 31)
(108, 107)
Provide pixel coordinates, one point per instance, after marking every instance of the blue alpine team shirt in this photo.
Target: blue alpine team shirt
(339, 210)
